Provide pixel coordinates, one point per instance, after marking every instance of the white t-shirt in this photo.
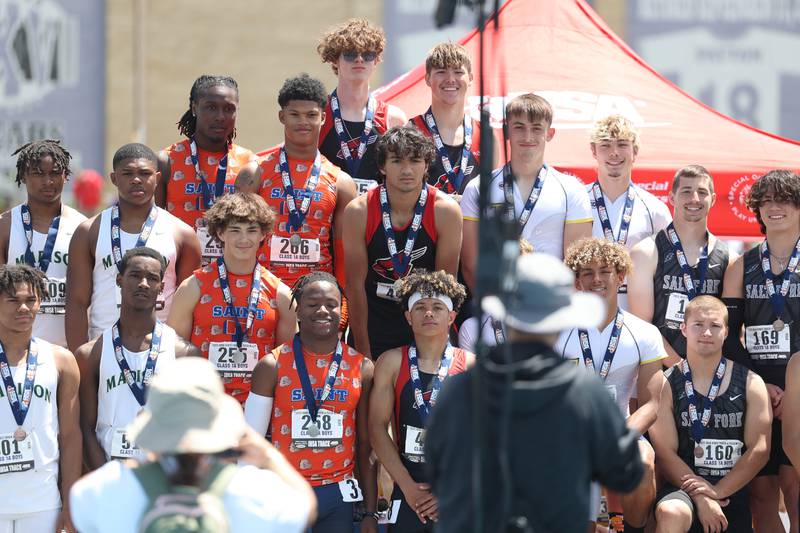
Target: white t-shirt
(563, 200)
(468, 334)
(110, 499)
(639, 343)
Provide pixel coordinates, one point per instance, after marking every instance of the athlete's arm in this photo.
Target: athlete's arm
(345, 192)
(88, 358)
(69, 431)
(79, 282)
(648, 385)
(165, 169)
(5, 236)
(258, 406)
(367, 473)
(791, 412)
(355, 260)
(188, 252)
(287, 318)
(574, 231)
(249, 178)
(664, 438)
(181, 314)
(184, 348)
(734, 298)
(395, 116)
(640, 280)
(449, 224)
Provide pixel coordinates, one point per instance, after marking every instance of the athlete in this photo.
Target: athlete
(40, 440)
(622, 211)
(198, 169)
(791, 412)
(712, 432)
(407, 382)
(116, 368)
(234, 309)
(314, 390)
(762, 291)
(625, 352)
(551, 209)
(99, 243)
(307, 192)
(37, 232)
(679, 263)
(402, 225)
(354, 118)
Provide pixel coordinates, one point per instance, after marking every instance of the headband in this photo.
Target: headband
(417, 296)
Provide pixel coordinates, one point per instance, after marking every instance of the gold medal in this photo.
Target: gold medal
(20, 434)
(295, 240)
(698, 452)
(778, 325)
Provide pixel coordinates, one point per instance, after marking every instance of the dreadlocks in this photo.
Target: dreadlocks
(31, 154)
(302, 283)
(188, 122)
(12, 275)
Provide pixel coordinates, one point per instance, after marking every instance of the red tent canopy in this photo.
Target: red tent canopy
(562, 50)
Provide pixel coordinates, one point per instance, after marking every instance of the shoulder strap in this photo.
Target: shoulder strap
(152, 479)
(219, 478)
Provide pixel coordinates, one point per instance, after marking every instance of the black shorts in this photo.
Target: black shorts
(737, 511)
(407, 520)
(777, 456)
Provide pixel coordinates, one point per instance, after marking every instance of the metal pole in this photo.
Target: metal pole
(139, 84)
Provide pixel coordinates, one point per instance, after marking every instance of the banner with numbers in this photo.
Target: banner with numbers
(562, 50)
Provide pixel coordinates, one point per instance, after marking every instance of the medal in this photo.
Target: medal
(252, 302)
(19, 406)
(777, 297)
(313, 430)
(699, 423)
(20, 434)
(138, 391)
(702, 263)
(401, 262)
(295, 240)
(454, 179)
(698, 452)
(144, 234)
(302, 371)
(49, 243)
(209, 195)
(297, 215)
(778, 325)
(353, 162)
(530, 203)
(599, 205)
(423, 407)
(611, 349)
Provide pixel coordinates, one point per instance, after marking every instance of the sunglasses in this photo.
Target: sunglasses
(351, 56)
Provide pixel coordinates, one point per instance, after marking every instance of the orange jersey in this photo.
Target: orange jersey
(184, 196)
(315, 252)
(214, 329)
(330, 456)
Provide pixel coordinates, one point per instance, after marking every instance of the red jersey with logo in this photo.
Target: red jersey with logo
(213, 321)
(184, 195)
(436, 173)
(324, 459)
(287, 261)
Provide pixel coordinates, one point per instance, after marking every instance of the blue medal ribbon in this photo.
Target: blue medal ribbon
(298, 215)
(401, 264)
(602, 214)
(533, 197)
(144, 234)
(208, 195)
(699, 423)
(455, 179)
(778, 298)
(302, 370)
(424, 407)
(49, 244)
(139, 391)
(19, 406)
(611, 349)
(252, 303)
(702, 263)
(353, 163)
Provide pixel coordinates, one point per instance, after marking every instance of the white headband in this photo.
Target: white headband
(417, 296)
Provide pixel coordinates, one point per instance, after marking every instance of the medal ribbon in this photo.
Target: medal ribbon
(298, 216)
(508, 190)
(699, 424)
(401, 264)
(302, 371)
(149, 367)
(778, 298)
(611, 349)
(602, 214)
(413, 369)
(252, 302)
(702, 263)
(49, 244)
(353, 163)
(147, 228)
(454, 178)
(205, 188)
(19, 407)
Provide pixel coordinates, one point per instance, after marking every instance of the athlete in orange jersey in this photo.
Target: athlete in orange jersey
(326, 438)
(210, 125)
(308, 214)
(235, 331)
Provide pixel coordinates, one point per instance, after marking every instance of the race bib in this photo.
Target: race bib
(364, 185)
(15, 456)
(719, 454)
(210, 247)
(764, 343)
(230, 361)
(281, 250)
(350, 490)
(385, 290)
(415, 441)
(676, 307)
(122, 447)
(56, 297)
(326, 433)
(389, 516)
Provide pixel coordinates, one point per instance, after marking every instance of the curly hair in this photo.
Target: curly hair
(614, 127)
(448, 55)
(12, 275)
(31, 154)
(784, 186)
(304, 281)
(236, 208)
(303, 87)
(430, 283)
(595, 250)
(356, 35)
(187, 124)
(404, 141)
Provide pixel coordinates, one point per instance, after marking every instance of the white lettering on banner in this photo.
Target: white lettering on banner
(737, 198)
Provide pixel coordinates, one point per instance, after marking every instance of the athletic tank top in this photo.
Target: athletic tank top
(35, 489)
(116, 404)
(330, 147)
(49, 324)
(723, 437)
(329, 457)
(406, 421)
(769, 349)
(212, 324)
(286, 261)
(436, 173)
(105, 309)
(669, 291)
(386, 324)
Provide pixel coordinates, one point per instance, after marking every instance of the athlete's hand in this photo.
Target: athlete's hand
(776, 399)
(419, 498)
(255, 449)
(710, 515)
(369, 525)
(696, 486)
(64, 523)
